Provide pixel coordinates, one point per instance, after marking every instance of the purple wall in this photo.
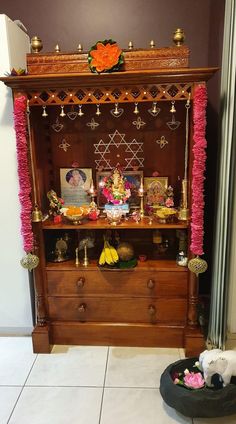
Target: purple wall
(86, 21)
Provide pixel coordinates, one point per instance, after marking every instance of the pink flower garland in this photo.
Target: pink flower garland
(23, 172)
(199, 165)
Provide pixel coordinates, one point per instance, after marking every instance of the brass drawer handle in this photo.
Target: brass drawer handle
(80, 282)
(150, 284)
(151, 310)
(82, 308)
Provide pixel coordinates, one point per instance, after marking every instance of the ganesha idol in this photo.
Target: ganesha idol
(116, 189)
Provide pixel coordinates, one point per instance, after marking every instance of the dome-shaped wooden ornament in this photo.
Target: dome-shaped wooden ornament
(197, 265)
(29, 261)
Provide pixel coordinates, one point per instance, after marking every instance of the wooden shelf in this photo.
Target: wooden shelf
(102, 224)
(55, 81)
(149, 265)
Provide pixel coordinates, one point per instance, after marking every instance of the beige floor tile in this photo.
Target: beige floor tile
(8, 398)
(79, 366)
(16, 360)
(58, 405)
(137, 406)
(138, 367)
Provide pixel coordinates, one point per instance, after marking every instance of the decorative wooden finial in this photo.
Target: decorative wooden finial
(36, 44)
(57, 48)
(80, 48)
(130, 45)
(179, 37)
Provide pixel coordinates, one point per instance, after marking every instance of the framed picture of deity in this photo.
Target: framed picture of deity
(155, 191)
(75, 183)
(134, 180)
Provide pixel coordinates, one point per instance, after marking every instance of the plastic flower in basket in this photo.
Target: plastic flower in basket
(105, 56)
(116, 188)
(189, 379)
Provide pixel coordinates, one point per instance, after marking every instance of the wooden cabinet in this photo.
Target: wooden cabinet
(155, 303)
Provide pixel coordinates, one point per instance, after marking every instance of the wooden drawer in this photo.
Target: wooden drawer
(118, 310)
(132, 282)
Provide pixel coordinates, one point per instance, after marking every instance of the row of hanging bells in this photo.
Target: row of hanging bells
(154, 111)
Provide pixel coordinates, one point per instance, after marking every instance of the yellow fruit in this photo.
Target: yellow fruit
(102, 258)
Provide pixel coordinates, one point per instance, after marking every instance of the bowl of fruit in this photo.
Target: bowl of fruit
(76, 214)
(165, 215)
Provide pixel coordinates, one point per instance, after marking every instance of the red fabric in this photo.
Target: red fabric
(23, 172)
(199, 165)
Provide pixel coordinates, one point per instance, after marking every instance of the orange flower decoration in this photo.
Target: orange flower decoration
(104, 56)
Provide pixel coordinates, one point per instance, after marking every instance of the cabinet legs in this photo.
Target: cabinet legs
(40, 339)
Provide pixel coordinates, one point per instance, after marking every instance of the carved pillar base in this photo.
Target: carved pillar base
(194, 342)
(40, 339)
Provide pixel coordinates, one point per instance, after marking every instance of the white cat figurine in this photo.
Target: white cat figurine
(217, 361)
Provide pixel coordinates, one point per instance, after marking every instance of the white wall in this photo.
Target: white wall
(15, 305)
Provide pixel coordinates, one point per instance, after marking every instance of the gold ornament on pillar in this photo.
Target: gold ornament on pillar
(197, 265)
(29, 261)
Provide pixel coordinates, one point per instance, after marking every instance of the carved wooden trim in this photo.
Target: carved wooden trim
(103, 95)
(137, 59)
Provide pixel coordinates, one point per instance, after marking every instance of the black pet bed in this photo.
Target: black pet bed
(201, 403)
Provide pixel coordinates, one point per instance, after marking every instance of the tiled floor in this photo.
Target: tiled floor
(86, 385)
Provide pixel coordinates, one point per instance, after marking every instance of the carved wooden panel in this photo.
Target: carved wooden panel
(138, 59)
(90, 95)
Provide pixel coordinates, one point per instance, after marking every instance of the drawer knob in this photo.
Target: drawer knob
(82, 308)
(80, 282)
(151, 310)
(150, 284)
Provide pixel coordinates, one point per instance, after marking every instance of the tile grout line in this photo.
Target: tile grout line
(103, 389)
(22, 388)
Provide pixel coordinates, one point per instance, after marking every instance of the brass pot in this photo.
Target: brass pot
(36, 44)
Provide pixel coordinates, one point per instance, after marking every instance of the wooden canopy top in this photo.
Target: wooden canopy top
(118, 79)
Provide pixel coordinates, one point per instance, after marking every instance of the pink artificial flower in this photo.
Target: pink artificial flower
(169, 202)
(155, 174)
(176, 381)
(194, 380)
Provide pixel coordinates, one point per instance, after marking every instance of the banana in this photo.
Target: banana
(108, 255)
(113, 252)
(109, 259)
(102, 257)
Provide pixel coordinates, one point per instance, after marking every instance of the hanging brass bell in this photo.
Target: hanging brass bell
(98, 112)
(172, 110)
(44, 114)
(62, 114)
(80, 113)
(37, 215)
(136, 111)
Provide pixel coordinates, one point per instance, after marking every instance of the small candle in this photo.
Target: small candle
(141, 190)
(91, 190)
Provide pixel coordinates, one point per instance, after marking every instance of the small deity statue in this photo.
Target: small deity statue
(118, 185)
(56, 203)
(116, 188)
